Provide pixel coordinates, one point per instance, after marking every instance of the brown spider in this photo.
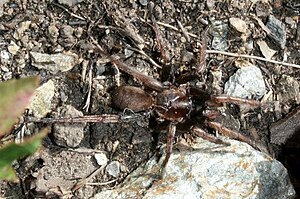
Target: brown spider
(172, 104)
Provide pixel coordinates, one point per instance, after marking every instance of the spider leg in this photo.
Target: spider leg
(218, 100)
(147, 80)
(201, 133)
(170, 139)
(231, 133)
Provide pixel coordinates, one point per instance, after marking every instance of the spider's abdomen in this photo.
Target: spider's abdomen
(173, 104)
(132, 98)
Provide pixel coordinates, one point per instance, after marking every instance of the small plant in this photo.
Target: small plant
(15, 96)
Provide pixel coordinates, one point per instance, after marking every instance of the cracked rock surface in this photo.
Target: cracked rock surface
(208, 171)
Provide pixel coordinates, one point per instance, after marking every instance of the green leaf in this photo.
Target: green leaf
(12, 151)
(15, 96)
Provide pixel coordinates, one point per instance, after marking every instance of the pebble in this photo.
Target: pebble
(66, 134)
(54, 63)
(238, 24)
(53, 33)
(143, 2)
(247, 82)
(277, 31)
(70, 3)
(113, 169)
(210, 4)
(219, 31)
(4, 55)
(265, 49)
(41, 102)
(101, 158)
(13, 48)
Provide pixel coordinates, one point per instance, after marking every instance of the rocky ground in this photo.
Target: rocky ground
(67, 43)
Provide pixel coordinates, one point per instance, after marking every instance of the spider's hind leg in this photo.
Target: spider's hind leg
(201, 133)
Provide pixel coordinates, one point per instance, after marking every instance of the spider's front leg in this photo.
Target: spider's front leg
(148, 81)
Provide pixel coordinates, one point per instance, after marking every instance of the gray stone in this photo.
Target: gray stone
(219, 31)
(54, 63)
(113, 169)
(66, 134)
(277, 31)
(208, 171)
(247, 83)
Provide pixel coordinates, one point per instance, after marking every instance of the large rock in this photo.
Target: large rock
(208, 171)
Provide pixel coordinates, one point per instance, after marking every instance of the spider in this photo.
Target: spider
(173, 104)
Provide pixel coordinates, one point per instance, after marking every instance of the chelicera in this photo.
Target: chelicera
(173, 104)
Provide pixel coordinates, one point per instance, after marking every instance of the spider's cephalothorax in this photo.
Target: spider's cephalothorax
(173, 104)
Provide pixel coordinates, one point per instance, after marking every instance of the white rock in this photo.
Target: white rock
(13, 48)
(238, 24)
(208, 171)
(247, 83)
(4, 55)
(101, 158)
(265, 49)
(41, 102)
(70, 3)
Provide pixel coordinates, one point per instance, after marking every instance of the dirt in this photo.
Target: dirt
(94, 30)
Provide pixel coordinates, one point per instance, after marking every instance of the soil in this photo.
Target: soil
(93, 30)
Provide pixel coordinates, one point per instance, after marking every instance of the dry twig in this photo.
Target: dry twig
(251, 57)
(72, 14)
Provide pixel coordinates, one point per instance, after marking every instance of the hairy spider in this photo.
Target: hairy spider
(173, 104)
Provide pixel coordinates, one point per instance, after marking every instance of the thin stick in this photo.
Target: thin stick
(105, 118)
(101, 183)
(174, 28)
(85, 180)
(72, 14)
(184, 31)
(251, 57)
